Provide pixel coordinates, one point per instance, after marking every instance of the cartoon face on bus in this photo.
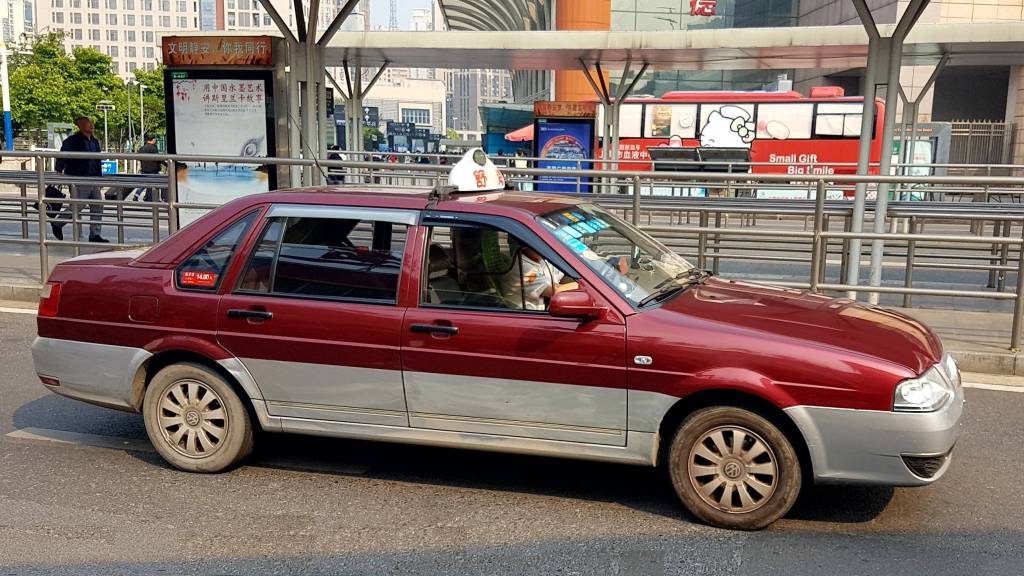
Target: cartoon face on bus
(727, 127)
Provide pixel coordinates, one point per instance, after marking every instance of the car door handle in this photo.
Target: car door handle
(434, 329)
(250, 314)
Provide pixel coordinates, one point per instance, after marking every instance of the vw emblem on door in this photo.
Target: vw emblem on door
(643, 360)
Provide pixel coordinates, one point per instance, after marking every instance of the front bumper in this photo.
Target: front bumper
(876, 447)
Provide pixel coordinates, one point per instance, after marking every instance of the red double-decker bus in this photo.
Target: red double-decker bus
(785, 132)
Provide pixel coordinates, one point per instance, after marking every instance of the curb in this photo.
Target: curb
(19, 292)
(1001, 363)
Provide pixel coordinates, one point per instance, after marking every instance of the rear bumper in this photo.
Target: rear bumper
(97, 373)
(876, 447)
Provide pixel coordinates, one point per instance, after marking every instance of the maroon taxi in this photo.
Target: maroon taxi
(506, 321)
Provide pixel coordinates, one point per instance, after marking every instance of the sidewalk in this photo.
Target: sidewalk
(980, 341)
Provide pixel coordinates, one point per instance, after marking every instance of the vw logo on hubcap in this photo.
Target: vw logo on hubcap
(192, 418)
(732, 469)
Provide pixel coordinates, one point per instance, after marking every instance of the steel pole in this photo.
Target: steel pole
(885, 162)
(1018, 303)
(816, 251)
(44, 264)
(106, 142)
(867, 121)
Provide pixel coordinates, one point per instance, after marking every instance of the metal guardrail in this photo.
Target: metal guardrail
(709, 242)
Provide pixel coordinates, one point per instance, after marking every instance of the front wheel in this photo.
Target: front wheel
(195, 420)
(733, 468)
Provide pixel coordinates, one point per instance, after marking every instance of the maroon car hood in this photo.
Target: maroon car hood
(832, 322)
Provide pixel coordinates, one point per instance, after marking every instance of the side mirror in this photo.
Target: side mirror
(575, 304)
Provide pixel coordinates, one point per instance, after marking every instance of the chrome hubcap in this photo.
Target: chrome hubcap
(733, 469)
(192, 419)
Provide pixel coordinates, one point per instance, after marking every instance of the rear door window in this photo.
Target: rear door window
(327, 258)
(204, 269)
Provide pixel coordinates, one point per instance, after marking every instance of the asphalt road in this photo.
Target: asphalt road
(321, 506)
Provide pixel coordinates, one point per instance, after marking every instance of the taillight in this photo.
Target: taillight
(49, 299)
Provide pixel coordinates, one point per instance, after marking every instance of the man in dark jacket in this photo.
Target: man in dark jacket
(150, 166)
(82, 141)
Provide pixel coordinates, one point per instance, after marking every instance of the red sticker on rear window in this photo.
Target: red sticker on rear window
(199, 279)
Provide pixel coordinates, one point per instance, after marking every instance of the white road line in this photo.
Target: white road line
(8, 310)
(119, 443)
(995, 387)
(82, 439)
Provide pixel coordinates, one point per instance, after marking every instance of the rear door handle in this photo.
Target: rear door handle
(250, 314)
(434, 329)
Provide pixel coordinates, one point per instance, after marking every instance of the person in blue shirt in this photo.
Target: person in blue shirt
(82, 141)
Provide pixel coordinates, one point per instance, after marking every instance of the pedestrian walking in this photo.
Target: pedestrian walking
(150, 166)
(82, 141)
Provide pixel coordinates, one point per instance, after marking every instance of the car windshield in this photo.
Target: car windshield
(632, 262)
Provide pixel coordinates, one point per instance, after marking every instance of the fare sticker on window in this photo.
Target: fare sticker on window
(199, 279)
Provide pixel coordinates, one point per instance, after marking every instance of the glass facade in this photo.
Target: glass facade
(653, 15)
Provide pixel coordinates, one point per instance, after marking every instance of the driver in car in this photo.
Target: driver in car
(540, 280)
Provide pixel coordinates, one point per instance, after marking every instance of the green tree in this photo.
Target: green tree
(50, 85)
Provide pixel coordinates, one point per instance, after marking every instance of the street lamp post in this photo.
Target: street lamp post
(105, 106)
(6, 87)
(142, 113)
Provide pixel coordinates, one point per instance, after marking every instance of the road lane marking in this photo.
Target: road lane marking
(82, 439)
(283, 462)
(995, 387)
(9, 310)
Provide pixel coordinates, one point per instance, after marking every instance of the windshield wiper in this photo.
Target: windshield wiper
(673, 286)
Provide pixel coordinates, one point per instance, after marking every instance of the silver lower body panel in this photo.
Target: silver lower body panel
(867, 446)
(96, 373)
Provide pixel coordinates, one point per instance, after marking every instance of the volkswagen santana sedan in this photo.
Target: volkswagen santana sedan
(496, 320)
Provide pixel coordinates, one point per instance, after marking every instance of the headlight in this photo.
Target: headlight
(926, 393)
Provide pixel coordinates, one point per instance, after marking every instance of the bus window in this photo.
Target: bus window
(667, 120)
(630, 118)
(784, 121)
(842, 120)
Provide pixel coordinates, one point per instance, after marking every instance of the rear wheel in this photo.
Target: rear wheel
(195, 420)
(733, 468)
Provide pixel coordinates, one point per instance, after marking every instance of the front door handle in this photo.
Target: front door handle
(250, 314)
(434, 329)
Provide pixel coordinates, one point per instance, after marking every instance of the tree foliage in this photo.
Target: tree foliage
(48, 84)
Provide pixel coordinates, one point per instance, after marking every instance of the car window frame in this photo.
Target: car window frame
(401, 216)
(514, 228)
(241, 245)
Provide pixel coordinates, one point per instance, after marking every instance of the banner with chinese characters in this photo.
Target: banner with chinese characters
(703, 7)
(217, 51)
(219, 113)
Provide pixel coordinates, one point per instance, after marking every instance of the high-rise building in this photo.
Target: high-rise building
(17, 18)
(469, 89)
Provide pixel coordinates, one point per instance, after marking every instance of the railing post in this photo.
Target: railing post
(1004, 252)
(718, 239)
(1018, 303)
(636, 200)
(172, 197)
(24, 208)
(702, 240)
(816, 252)
(993, 251)
(908, 275)
(44, 261)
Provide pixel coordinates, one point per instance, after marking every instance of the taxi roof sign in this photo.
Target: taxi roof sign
(475, 173)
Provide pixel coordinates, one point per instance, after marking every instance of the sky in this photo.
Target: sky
(379, 14)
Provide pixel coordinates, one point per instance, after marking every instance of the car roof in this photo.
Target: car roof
(504, 202)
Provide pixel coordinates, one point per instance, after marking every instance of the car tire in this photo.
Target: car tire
(743, 488)
(195, 420)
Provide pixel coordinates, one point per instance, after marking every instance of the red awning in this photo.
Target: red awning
(524, 134)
